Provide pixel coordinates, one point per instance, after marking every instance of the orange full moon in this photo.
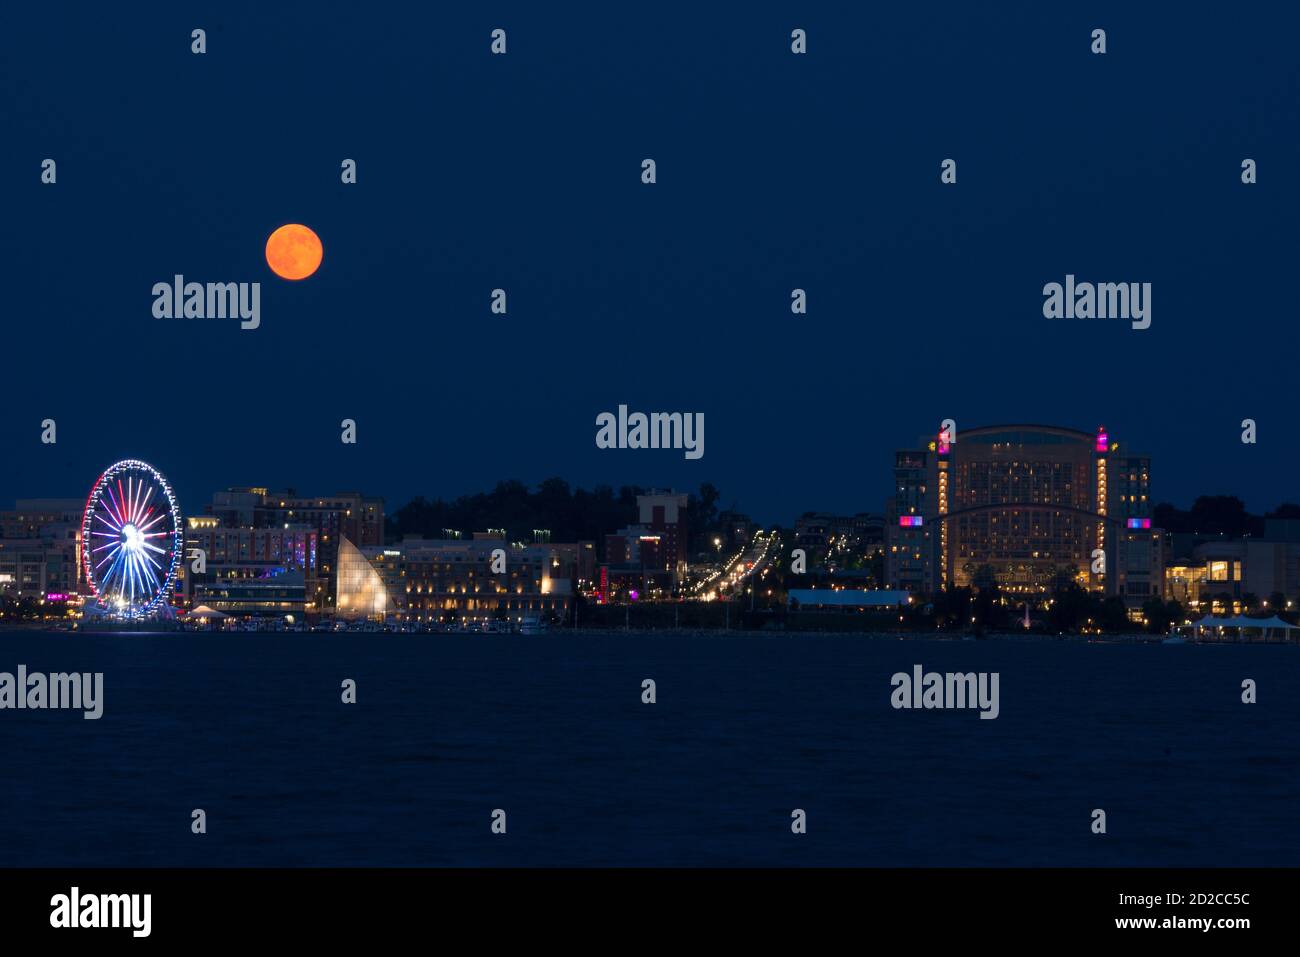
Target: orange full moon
(294, 252)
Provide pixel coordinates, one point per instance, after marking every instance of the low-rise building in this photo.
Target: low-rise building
(1231, 575)
(40, 547)
(430, 580)
(249, 571)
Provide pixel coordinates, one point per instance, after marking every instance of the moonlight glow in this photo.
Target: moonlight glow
(294, 252)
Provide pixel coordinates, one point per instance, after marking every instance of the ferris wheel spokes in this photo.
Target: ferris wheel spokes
(132, 539)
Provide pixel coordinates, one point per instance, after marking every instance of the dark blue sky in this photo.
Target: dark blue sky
(523, 172)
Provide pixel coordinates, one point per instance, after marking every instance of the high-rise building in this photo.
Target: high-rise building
(911, 556)
(1029, 502)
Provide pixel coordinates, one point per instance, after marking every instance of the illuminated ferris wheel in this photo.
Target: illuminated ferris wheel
(131, 539)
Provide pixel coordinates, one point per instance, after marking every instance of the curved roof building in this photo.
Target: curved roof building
(1028, 502)
(361, 590)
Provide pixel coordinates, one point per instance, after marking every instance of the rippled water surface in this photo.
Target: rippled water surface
(552, 729)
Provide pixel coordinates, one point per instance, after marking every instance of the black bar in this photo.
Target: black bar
(537, 906)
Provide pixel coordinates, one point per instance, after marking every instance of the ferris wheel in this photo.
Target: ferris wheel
(131, 539)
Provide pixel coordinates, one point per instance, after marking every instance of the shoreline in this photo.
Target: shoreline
(1134, 638)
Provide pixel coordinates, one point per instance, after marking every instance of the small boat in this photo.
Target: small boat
(1174, 640)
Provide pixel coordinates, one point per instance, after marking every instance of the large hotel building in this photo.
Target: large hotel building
(1029, 502)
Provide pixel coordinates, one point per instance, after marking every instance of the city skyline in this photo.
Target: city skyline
(631, 475)
(1024, 509)
(819, 437)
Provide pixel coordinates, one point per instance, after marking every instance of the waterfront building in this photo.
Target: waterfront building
(351, 515)
(40, 548)
(276, 592)
(1231, 576)
(452, 580)
(363, 592)
(247, 570)
(38, 567)
(1028, 502)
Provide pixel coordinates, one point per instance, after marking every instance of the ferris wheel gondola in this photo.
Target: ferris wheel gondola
(131, 539)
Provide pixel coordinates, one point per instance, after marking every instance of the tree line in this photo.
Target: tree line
(568, 514)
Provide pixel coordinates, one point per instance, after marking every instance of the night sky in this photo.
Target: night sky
(522, 171)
